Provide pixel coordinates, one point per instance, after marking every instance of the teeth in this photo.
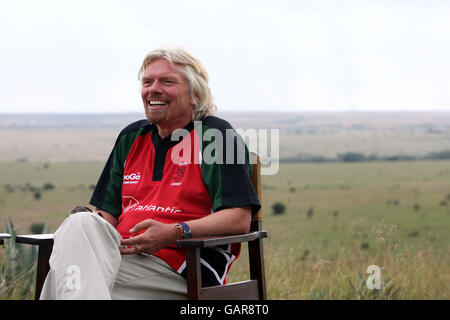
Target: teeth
(156, 102)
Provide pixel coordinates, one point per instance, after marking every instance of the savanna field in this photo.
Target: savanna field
(327, 222)
(339, 218)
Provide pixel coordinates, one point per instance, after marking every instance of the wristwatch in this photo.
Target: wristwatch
(183, 231)
(187, 233)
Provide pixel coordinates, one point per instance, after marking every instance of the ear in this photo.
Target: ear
(194, 100)
(193, 104)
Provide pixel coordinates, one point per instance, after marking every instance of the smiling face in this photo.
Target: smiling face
(166, 97)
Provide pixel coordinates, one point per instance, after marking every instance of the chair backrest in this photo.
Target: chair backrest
(256, 181)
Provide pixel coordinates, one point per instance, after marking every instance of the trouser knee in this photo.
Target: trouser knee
(81, 218)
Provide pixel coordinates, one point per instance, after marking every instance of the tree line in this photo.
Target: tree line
(360, 157)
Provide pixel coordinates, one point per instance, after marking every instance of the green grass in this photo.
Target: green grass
(325, 255)
(73, 183)
(392, 214)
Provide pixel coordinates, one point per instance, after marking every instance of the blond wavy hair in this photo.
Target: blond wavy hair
(195, 74)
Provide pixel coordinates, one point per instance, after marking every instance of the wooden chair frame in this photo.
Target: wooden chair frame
(4, 236)
(45, 244)
(252, 289)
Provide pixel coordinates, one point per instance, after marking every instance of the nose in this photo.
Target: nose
(155, 87)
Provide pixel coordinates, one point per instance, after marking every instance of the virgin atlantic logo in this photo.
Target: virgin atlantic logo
(129, 202)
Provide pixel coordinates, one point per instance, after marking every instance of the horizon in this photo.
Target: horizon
(230, 111)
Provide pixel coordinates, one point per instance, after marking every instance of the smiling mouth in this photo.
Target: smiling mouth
(155, 104)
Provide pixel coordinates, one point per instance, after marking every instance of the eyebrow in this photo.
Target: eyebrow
(163, 77)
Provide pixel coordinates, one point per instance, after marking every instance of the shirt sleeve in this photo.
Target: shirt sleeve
(107, 194)
(227, 178)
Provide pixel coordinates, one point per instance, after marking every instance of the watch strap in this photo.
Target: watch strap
(187, 233)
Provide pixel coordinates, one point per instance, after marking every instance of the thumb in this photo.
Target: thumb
(141, 226)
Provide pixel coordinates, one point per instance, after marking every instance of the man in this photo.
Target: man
(162, 182)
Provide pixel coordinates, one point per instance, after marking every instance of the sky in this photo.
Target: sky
(318, 55)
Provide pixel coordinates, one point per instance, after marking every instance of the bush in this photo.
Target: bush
(442, 155)
(37, 195)
(351, 157)
(278, 208)
(48, 186)
(310, 212)
(38, 228)
(18, 270)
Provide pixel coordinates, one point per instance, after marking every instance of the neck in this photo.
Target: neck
(165, 131)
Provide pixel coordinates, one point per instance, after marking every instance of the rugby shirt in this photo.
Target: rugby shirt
(171, 180)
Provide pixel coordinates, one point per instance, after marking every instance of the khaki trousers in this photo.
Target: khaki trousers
(86, 264)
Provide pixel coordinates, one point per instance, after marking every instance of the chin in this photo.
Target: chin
(156, 117)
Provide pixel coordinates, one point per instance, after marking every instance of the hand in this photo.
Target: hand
(85, 209)
(80, 209)
(157, 236)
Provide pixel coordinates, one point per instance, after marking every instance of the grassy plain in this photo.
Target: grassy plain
(392, 214)
(340, 217)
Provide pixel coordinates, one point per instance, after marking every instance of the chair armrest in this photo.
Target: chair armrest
(4, 236)
(201, 242)
(36, 239)
(204, 242)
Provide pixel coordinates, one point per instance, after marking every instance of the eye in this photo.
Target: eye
(147, 82)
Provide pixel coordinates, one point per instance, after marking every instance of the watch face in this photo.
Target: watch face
(187, 234)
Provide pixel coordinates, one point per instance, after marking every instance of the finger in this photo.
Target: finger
(141, 226)
(129, 249)
(131, 240)
(80, 209)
